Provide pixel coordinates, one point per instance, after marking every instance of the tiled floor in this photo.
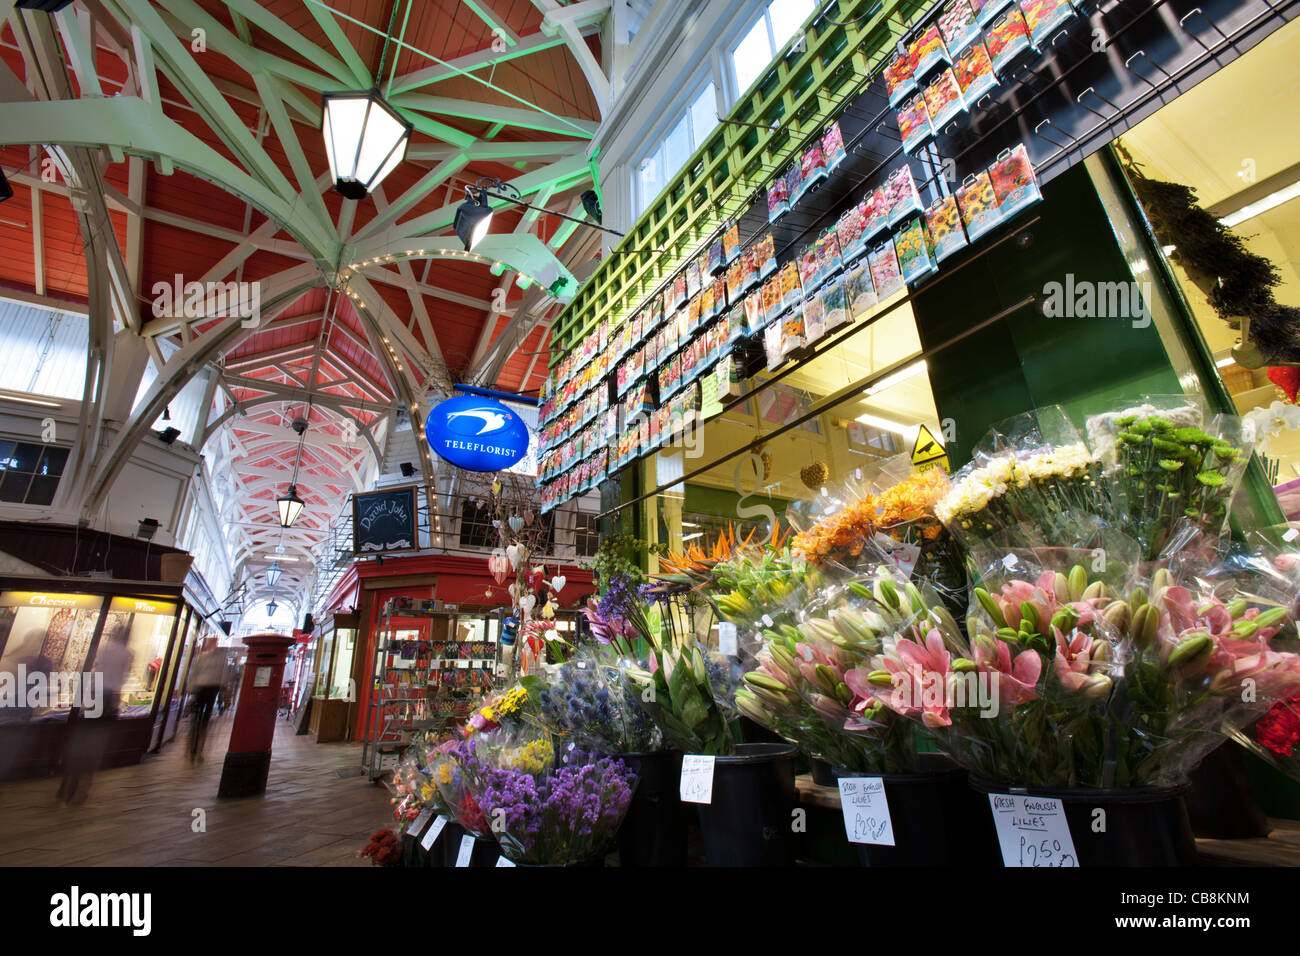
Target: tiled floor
(145, 815)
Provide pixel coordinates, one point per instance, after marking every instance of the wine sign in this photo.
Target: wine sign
(384, 521)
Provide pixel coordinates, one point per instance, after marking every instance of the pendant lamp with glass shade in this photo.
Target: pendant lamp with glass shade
(290, 505)
(273, 573)
(365, 138)
(271, 608)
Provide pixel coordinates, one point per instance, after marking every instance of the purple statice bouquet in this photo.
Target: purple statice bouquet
(568, 814)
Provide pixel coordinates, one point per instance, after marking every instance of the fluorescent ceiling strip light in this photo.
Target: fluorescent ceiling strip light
(902, 375)
(1261, 206)
(31, 401)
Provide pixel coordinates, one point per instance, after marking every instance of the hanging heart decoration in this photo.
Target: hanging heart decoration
(535, 578)
(499, 565)
(516, 555)
(514, 593)
(516, 523)
(527, 603)
(528, 516)
(496, 487)
(558, 582)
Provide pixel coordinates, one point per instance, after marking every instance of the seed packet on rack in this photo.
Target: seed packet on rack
(859, 291)
(814, 318)
(884, 270)
(1045, 17)
(958, 26)
(727, 374)
(901, 195)
(791, 289)
(812, 169)
(655, 315)
(987, 10)
(928, 51)
(974, 71)
(755, 313)
(829, 260)
(693, 278)
(912, 245)
(719, 295)
(778, 199)
(835, 304)
(771, 299)
(730, 243)
(943, 99)
(978, 204)
(736, 279)
(735, 322)
(809, 271)
(764, 253)
(1006, 38)
(944, 222)
(772, 346)
(833, 145)
(1014, 182)
(707, 305)
(849, 232)
(670, 377)
(875, 215)
(792, 331)
(914, 123)
(692, 315)
(715, 262)
(794, 182)
(900, 77)
(677, 296)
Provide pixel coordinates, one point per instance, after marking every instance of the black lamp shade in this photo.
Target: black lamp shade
(290, 506)
(473, 218)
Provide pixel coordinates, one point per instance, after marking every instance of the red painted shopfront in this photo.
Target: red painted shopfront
(461, 581)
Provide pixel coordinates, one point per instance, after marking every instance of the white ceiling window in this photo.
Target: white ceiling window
(682, 139)
(761, 42)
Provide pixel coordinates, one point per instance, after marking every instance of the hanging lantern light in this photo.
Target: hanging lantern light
(290, 506)
(273, 573)
(271, 608)
(365, 139)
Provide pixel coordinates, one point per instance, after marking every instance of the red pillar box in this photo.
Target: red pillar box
(249, 758)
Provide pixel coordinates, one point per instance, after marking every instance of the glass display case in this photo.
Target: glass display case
(145, 628)
(47, 632)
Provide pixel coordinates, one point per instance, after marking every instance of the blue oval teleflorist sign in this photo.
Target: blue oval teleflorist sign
(477, 434)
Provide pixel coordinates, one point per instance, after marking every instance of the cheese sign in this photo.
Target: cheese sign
(476, 433)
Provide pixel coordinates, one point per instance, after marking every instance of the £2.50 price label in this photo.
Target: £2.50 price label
(1032, 831)
(866, 811)
(697, 778)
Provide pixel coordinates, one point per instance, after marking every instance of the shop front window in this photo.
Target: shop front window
(47, 633)
(345, 639)
(143, 627)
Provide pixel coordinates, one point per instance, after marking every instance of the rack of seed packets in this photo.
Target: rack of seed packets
(950, 65)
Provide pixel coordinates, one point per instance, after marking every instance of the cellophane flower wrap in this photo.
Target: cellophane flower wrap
(546, 805)
(590, 700)
(447, 768)
(1033, 470)
(889, 517)
(1166, 462)
(412, 785)
(800, 681)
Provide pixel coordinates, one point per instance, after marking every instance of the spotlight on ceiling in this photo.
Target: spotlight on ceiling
(591, 203)
(407, 469)
(168, 435)
(290, 506)
(365, 139)
(147, 528)
(473, 218)
(6, 191)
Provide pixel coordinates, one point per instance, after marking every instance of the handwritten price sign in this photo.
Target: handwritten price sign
(866, 811)
(1032, 831)
(697, 778)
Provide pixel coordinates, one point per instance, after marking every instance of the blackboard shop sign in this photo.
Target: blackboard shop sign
(384, 521)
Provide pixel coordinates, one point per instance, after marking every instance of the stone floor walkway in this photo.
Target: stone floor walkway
(146, 815)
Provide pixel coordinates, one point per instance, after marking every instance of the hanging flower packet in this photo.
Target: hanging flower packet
(814, 318)
(730, 243)
(875, 215)
(736, 279)
(912, 245)
(914, 123)
(900, 77)
(884, 271)
(1007, 38)
(974, 72)
(715, 264)
(655, 315)
(979, 204)
(791, 288)
(958, 25)
(928, 51)
(693, 280)
(778, 199)
(812, 169)
(794, 183)
(1014, 181)
(849, 231)
(755, 313)
(828, 254)
(986, 10)
(1044, 17)
(678, 295)
(772, 346)
(765, 256)
(859, 291)
(944, 222)
(833, 145)
(809, 273)
(835, 305)
(943, 99)
(792, 331)
(901, 194)
(772, 298)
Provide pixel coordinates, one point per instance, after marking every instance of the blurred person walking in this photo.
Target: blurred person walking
(89, 736)
(206, 679)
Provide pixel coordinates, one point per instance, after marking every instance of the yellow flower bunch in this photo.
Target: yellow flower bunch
(507, 706)
(530, 758)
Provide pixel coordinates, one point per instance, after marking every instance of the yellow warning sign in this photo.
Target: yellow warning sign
(928, 452)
